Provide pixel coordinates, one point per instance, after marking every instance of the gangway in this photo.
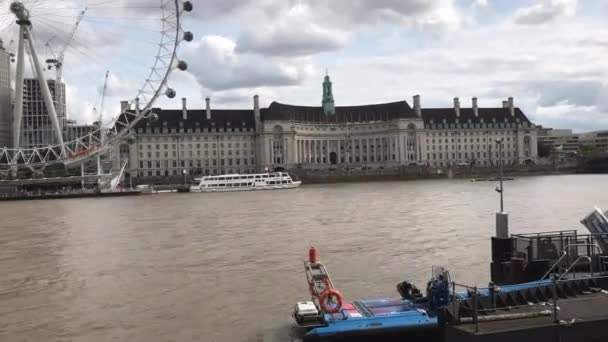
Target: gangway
(597, 223)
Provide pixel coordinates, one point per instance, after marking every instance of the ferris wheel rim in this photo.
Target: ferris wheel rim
(97, 141)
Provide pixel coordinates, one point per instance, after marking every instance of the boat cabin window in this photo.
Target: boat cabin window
(222, 178)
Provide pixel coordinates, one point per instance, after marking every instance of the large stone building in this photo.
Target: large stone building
(6, 110)
(368, 137)
(73, 131)
(36, 127)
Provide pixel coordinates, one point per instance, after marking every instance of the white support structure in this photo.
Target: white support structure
(44, 87)
(25, 32)
(18, 111)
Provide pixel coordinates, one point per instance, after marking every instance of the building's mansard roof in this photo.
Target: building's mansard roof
(228, 119)
(373, 112)
(485, 115)
(220, 119)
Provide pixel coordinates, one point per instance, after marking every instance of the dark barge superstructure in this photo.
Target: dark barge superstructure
(544, 287)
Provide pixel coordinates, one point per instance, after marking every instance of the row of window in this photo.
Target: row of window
(192, 163)
(466, 147)
(464, 140)
(242, 185)
(466, 155)
(262, 176)
(192, 154)
(478, 163)
(474, 133)
(190, 146)
(165, 130)
(483, 125)
(194, 172)
(197, 138)
(351, 159)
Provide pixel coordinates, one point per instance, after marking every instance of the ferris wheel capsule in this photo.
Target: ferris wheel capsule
(181, 65)
(188, 36)
(188, 6)
(170, 93)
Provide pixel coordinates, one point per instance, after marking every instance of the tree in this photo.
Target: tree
(588, 150)
(544, 149)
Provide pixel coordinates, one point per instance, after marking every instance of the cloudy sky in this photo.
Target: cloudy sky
(548, 54)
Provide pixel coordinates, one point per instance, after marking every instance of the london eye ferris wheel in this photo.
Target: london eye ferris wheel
(80, 57)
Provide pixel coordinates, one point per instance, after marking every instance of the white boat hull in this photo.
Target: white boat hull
(293, 185)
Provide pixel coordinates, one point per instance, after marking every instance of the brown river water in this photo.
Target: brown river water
(228, 266)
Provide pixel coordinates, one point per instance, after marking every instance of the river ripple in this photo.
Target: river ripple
(228, 266)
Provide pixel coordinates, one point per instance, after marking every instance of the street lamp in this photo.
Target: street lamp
(502, 218)
(185, 172)
(499, 142)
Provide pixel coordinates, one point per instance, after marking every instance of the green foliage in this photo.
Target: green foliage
(588, 150)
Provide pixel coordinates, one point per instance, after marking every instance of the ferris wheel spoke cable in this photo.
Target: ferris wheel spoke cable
(50, 24)
(80, 47)
(155, 83)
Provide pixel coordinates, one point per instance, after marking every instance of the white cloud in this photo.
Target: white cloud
(294, 34)
(545, 11)
(480, 3)
(219, 67)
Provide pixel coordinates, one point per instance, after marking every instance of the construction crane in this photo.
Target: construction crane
(57, 62)
(100, 123)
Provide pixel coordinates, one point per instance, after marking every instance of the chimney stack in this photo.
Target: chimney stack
(505, 104)
(417, 108)
(475, 108)
(208, 107)
(184, 109)
(256, 107)
(457, 106)
(124, 105)
(511, 107)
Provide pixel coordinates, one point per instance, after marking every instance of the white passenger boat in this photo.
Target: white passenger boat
(238, 182)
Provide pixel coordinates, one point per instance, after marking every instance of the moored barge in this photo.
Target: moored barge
(543, 286)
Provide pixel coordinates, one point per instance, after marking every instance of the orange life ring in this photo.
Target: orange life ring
(323, 301)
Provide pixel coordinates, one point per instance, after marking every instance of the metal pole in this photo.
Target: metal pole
(48, 99)
(555, 320)
(82, 176)
(475, 318)
(18, 111)
(454, 300)
(500, 161)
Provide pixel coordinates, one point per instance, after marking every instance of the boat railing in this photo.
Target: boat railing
(547, 247)
(582, 257)
(565, 253)
(603, 260)
(556, 264)
(554, 233)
